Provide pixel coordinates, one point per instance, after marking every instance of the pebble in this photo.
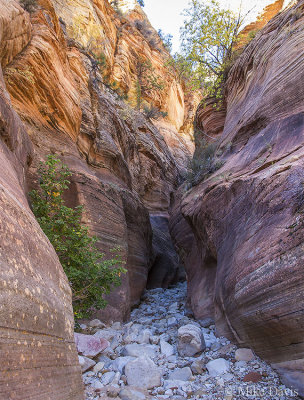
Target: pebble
(198, 366)
(86, 363)
(171, 321)
(90, 346)
(253, 377)
(154, 351)
(190, 340)
(130, 393)
(143, 373)
(120, 363)
(218, 366)
(96, 323)
(137, 350)
(244, 355)
(166, 348)
(98, 367)
(108, 377)
(182, 374)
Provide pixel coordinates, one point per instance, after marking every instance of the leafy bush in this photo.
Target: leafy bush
(252, 34)
(90, 275)
(29, 5)
(153, 112)
(203, 163)
(147, 80)
(185, 72)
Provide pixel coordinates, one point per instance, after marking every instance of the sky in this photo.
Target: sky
(166, 14)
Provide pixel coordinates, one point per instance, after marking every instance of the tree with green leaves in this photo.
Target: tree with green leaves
(90, 275)
(185, 72)
(208, 36)
(147, 80)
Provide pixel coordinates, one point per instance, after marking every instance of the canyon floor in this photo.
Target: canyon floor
(151, 357)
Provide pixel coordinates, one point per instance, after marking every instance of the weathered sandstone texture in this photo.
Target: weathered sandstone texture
(52, 100)
(240, 231)
(125, 38)
(210, 119)
(124, 166)
(38, 354)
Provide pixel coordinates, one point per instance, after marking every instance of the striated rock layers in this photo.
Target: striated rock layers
(127, 38)
(240, 231)
(38, 355)
(124, 167)
(53, 100)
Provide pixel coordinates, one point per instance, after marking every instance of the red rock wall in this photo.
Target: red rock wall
(244, 224)
(38, 354)
(123, 166)
(53, 101)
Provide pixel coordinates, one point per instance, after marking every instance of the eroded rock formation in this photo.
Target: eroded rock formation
(123, 166)
(53, 100)
(126, 38)
(241, 229)
(38, 355)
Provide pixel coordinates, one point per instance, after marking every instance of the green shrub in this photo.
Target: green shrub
(208, 37)
(29, 5)
(203, 163)
(90, 275)
(252, 34)
(152, 112)
(147, 80)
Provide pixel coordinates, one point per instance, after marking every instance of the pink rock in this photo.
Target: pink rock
(90, 346)
(244, 355)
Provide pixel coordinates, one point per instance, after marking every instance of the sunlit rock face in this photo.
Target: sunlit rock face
(124, 167)
(38, 355)
(241, 228)
(124, 39)
(126, 5)
(258, 16)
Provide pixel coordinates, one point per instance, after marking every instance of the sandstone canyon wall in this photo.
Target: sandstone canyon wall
(124, 167)
(38, 355)
(240, 231)
(53, 99)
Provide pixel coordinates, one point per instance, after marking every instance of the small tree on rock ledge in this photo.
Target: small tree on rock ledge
(90, 275)
(147, 80)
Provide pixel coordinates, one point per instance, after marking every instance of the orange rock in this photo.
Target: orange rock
(123, 166)
(38, 354)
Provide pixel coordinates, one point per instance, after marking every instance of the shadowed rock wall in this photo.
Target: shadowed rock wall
(123, 166)
(241, 230)
(38, 355)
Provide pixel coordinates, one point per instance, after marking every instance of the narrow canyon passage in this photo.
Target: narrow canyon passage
(179, 183)
(163, 353)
